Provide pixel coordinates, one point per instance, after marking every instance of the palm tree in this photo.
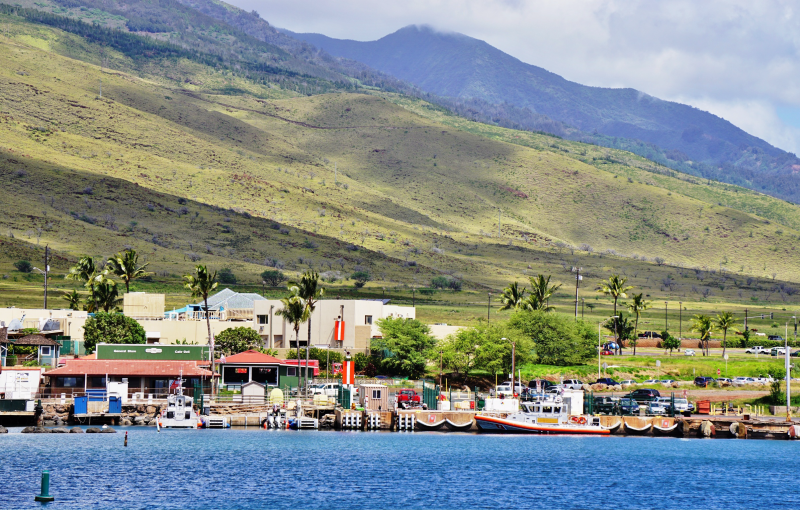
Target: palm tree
(512, 297)
(85, 271)
(636, 307)
(310, 292)
(201, 284)
(106, 295)
(125, 265)
(724, 321)
(296, 312)
(703, 325)
(73, 299)
(615, 287)
(541, 290)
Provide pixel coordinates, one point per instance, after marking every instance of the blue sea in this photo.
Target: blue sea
(254, 468)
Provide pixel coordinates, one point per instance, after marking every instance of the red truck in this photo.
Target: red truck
(407, 399)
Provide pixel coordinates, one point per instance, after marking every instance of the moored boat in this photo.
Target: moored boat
(549, 415)
(179, 413)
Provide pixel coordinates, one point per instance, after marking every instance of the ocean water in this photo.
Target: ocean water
(254, 468)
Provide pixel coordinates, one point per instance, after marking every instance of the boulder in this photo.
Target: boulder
(138, 420)
(3, 430)
(34, 430)
(59, 430)
(109, 430)
(125, 422)
(76, 430)
(92, 430)
(49, 423)
(152, 409)
(586, 387)
(599, 387)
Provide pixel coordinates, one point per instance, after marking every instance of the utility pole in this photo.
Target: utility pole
(577, 283)
(46, 270)
(680, 319)
(666, 321)
(488, 307)
(745, 319)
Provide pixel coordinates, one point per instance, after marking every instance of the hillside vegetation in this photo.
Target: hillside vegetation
(188, 163)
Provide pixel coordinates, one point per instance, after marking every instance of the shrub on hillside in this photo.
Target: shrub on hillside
(273, 277)
(23, 266)
(226, 276)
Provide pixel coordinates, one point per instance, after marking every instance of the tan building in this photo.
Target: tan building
(360, 322)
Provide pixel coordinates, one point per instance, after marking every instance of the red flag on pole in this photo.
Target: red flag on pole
(338, 331)
(349, 373)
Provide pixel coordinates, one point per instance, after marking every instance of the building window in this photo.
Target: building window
(368, 319)
(291, 371)
(266, 375)
(45, 350)
(262, 319)
(376, 394)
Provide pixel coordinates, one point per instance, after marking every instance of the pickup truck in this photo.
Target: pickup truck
(612, 405)
(758, 349)
(408, 398)
(643, 395)
(327, 389)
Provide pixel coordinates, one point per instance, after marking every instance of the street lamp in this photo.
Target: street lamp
(600, 342)
(488, 307)
(666, 321)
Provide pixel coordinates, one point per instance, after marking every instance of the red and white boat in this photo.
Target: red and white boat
(550, 415)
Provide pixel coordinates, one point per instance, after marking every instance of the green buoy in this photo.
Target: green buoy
(45, 496)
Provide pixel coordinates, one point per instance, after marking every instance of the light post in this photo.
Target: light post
(788, 371)
(488, 307)
(666, 321)
(600, 342)
(680, 319)
(45, 284)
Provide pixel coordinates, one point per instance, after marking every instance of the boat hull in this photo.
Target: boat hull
(502, 425)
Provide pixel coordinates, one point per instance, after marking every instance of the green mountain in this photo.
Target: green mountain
(214, 156)
(685, 138)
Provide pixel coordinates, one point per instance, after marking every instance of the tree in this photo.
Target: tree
(295, 311)
(106, 295)
(623, 328)
(512, 297)
(309, 290)
(439, 282)
(557, 339)
(724, 321)
(111, 328)
(86, 272)
(227, 277)
(541, 290)
(406, 346)
(273, 277)
(126, 266)
(704, 326)
(615, 287)
(636, 307)
(236, 340)
(23, 266)
(201, 284)
(493, 354)
(459, 350)
(670, 342)
(73, 299)
(361, 278)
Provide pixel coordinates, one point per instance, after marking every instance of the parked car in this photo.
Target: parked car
(704, 382)
(643, 395)
(627, 382)
(667, 382)
(651, 381)
(505, 389)
(649, 334)
(544, 383)
(688, 352)
(777, 351)
(765, 380)
(741, 381)
(656, 407)
(408, 398)
(775, 338)
(572, 384)
(606, 405)
(607, 381)
(724, 381)
(758, 349)
(628, 406)
(327, 389)
(796, 353)
(606, 352)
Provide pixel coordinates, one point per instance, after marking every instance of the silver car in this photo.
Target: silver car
(572, 384)
(656, 407)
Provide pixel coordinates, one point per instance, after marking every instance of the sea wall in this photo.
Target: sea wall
(141, 414)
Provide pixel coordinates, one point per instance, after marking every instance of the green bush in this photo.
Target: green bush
(273, 277)
(406, 346)
(111, 328)
(558, 339)
(361, 278)
(226, 276)
(23, 266)
(236, 340)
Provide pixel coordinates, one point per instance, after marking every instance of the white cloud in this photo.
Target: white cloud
(739, 54)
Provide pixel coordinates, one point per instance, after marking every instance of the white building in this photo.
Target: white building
(360, 322)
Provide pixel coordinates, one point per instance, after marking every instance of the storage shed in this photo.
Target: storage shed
(374, 397)
(253, 393)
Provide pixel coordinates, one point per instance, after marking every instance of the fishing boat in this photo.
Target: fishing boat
(546, 415)
(179, 414)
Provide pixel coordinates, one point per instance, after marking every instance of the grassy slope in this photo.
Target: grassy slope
(414, 184)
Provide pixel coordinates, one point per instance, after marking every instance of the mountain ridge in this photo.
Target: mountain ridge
(691, 140)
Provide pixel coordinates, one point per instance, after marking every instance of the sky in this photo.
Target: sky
(735, 58)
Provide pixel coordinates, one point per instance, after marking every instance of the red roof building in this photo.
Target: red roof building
(255, 366)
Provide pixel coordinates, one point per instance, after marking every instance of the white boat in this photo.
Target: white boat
(179, 414)
(548, 415)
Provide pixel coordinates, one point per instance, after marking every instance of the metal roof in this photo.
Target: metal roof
(226, 299)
